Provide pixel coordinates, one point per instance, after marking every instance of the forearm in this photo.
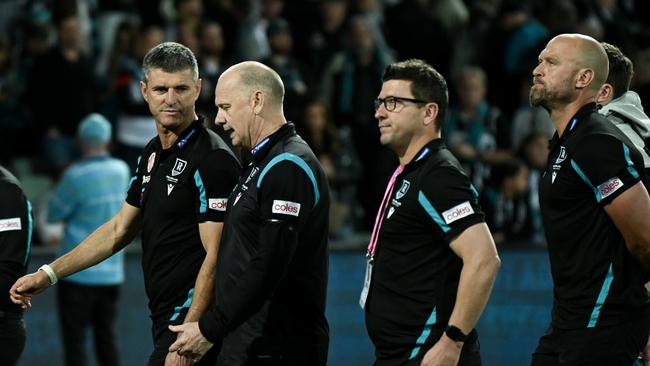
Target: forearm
(474, 289)
(105, 241)
(203, 288)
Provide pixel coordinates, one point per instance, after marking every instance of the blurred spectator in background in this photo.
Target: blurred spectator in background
(252, 43)
(534, 152)
(61, 92)
(187, 16)
(474, 129)
(12, 118)
(281, 60)
(406, 35)
(504, 202)
(324, 37)
(90, 192)
(135, 125)
(529, 120)
(211, 64)
(338, 158)
(15, 247)
(352, 79)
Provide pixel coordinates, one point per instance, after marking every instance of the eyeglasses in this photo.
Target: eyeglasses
(390, 103)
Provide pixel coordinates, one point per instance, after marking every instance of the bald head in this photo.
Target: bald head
(251, 75)
(587, 54)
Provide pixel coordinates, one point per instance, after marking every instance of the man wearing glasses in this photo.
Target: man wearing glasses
(431, 259)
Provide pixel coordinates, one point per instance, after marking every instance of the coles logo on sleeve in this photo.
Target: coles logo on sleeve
(286, 207)
(10, 224)
(457, 212)
(610, 187)
(218, 204)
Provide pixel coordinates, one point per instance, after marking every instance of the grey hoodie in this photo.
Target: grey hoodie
(629, 106)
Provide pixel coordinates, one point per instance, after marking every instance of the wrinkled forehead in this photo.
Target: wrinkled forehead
(561, 48)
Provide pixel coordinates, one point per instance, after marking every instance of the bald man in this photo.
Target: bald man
(272, 272)
(596, 214)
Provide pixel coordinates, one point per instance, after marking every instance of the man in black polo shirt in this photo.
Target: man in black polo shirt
(596, 215)
(15, 245)
(431, 259)
(178, 198)
(272, 274)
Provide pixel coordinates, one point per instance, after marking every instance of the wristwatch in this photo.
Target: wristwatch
(455, 334)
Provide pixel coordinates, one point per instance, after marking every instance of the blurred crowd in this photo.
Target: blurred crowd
(61, 60)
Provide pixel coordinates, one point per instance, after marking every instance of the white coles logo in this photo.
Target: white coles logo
(286, 207)
(10, 224)
(610, 187)
(457, 212)
(218, 204)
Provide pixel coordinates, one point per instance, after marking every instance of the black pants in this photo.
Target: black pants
(12, 338)
(470, 355)
(163, 338)
(80, 307)
(615, 345)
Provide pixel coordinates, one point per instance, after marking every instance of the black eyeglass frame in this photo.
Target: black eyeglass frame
(392, 100)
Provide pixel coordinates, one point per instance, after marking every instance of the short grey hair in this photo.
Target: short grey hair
(170, 57)
(256, 75)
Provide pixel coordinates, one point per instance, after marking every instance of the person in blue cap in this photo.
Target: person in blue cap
(90, 192)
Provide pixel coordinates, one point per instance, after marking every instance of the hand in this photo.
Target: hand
(445, 352)
(27, 286)
(190, 342)
(174, 359)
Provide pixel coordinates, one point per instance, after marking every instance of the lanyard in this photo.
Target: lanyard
(372, 246)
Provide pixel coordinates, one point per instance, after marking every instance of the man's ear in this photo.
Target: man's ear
(584, 78)
(430, 113)
(605, 94)
(257, 101)
(143, 90)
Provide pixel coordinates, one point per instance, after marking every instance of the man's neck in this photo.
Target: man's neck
(169, 137)
(408, 153)
(267, 126)
(561, 115)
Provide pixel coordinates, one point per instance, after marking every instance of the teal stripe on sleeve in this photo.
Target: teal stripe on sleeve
(604, 290)
(186, 305)
(424, 335)
(137, 167)
(630, 164)
(199, 184)
(30, 226)
(432, 212)
(296, 160)
(582, 175)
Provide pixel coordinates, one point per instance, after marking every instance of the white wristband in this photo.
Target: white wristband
(50, 273)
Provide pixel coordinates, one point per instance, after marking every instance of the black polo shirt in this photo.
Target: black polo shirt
(272, 272)
(596, 280)
(416, 274)
(176, 189)
(15, 236)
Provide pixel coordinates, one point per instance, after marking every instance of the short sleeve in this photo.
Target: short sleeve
(134, 193)
(450, 202)
(606, 165)
(287, 190)
(215, 177)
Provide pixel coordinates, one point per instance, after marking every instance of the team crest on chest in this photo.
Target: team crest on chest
(558, 161)
(179, 166)
(403, 189)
